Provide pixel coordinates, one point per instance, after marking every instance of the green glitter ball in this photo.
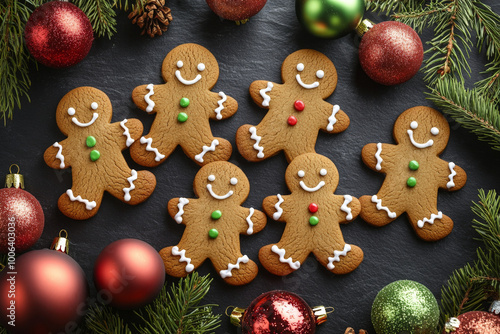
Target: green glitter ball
(405, 307)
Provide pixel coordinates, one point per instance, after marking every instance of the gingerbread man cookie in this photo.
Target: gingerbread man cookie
(213, 222)
(313, 215)
(183, 107)
(297, 110)
(414, 173)
(93, 150)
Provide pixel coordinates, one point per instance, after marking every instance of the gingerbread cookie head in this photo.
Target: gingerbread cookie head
(191, 65)
(83, 107)
(222, 181)
(312, 173)
(422, 128)
(311, 70)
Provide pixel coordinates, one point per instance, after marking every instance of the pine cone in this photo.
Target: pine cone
(352, 331)
(154, 19)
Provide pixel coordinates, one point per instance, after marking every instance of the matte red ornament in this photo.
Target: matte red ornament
(236, 10)
(391, 53)
(130, 272)
(58, 34)
(44, 292)
(478, 322)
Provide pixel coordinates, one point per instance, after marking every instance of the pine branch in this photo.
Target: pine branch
(103, 320)
(469, 108)
(488, 210)
(179, 311)
(422, 17)
(388, 6)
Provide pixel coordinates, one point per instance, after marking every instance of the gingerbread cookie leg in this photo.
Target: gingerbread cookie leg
(255, 147)
(283, 258)
(430, 225)
(234, 267)
(377, 211)
(178, 262)
(339, 258)
(206, 149)
(151, 150)
(132, 188)
(81, 203)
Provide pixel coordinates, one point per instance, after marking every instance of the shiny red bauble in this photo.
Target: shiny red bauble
(236, 10)
(43, 292)
(478, 322)
(130, 273)
(278, 312)
(21, 220)
(391, 53)
(58, 34)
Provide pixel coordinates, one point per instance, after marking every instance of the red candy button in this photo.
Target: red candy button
(313, 207)
(299, 105)
(292, 120)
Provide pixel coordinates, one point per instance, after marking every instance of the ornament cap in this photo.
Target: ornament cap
(321, 313)
(363, 27)
(452, 325)
(236, 315)
(495, 307)
(15, 180)
(61, 243)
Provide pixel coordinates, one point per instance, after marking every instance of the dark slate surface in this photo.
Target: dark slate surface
(246, 53)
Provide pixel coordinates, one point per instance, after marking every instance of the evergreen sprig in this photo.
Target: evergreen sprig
(104, 320)
(471, 286)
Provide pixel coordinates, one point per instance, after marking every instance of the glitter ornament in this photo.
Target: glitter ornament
(236, 10)
(21, 216)
(390, 52)
(278, 312)
(476, 322)
(130, 272)
(48, 290)
(405, 307)
(58, 34)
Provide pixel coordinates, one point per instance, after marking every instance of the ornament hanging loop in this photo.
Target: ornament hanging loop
(15, 180)
(321, 313)
(236, 315)
(61, 243)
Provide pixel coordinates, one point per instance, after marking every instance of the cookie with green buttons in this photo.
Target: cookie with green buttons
(214, 222)
(414, 174)
(93, 149)
(313, 214)
(183, 106)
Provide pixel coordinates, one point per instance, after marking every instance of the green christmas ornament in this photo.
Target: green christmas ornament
(405, 307)
(330, 18)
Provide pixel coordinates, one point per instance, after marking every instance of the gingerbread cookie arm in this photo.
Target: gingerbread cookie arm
(177, 208)
(226, 106)
(262, 92)
(55, 156)
(373, 156)
(351, 208)
(255, 220)
(144, 96)
(452, 177)
(129, 129)
(274, 207)
(334, 119)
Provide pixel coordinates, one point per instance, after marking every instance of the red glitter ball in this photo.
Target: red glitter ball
(292, 120)
(391, 53)
(58, 34)
(278, 312)
(22, 215)
(478, 322)
(236, 10)
(299, 105)
(313, 207)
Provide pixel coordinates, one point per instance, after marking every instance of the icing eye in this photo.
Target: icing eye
(320, 74)
(322, 172)
(94, 105)
(211, 178)
(301, 173)
(180, 64)
(300, 67)
(201, 67)
(435, 131)
(71, 111)
(234, 181)
(414, 125)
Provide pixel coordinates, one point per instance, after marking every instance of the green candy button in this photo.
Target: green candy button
(182, 117)
(413, 165)
(411, 182)
(216, 214)
(184, 102)
(313, 220)
(91, 141)
(94, 155)
(213, 233)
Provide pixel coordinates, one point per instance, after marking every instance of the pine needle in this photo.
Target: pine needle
(104, 320)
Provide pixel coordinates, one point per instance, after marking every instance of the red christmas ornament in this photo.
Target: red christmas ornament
(278, 312)
(390, 52)
(236, 10)
(58, 34)
(474, 322)
(42, 291)
(21, 216)
(130, 272)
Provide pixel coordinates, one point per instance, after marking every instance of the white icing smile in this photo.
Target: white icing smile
(84, 125)
(301, 174)
(211, 178)
(178, 75)
(320, 74)
(430, 142)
